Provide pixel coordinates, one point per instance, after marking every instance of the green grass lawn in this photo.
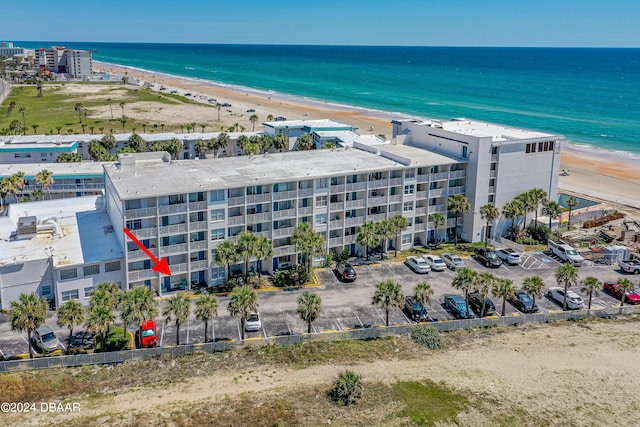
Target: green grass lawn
(54, 112)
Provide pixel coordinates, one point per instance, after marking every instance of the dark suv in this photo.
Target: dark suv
(458, 307)
(475, 301)
(346, 272)
(415, 310)
(524, 302)
(488, 257)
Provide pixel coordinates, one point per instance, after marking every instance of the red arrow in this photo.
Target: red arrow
(161, 266)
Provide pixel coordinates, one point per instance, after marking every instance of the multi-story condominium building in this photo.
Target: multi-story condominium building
(503, 161)
(36, 148)
(182, 210)
(7, 49)
(79, 63)
(58, 251)
(58, 59)
(293, 129)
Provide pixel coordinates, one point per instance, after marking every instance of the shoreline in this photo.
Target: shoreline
(619, 172)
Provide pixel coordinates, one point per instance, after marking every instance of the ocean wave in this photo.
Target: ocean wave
(614, 155)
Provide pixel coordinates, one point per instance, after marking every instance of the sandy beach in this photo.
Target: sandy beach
(604, 176)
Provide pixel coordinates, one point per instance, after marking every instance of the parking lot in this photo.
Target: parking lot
(345, 306)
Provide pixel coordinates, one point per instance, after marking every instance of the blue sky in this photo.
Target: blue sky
(555, 23)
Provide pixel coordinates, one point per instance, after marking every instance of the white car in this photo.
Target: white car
(509, 256)
(574, 301)
(435, 262)
(253, 322)
(418, 265)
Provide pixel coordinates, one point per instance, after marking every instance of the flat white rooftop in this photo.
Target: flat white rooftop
(323, 123)
(157, 177)
(347, 138)
(60, 170)
(87, 234)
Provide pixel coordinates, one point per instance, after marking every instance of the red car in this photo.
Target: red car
(147, 336)
(632, 297)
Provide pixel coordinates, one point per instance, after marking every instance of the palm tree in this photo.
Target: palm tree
(35, 128)
(270, 117)
(386, 231)
(110, 108)
(177, 307)
(281, 142)
(551, 209)
(503, 288)
(137, 143)
(528, 203)
(243, 142)
(398, 225)
(624, 286)
(484, 283)
(45, 178)
(223, 141)
(253, 119)
(71, 313)
(202, 126)
(439, 220)
(388, 295)
(37, 194)
(136, 305)
(24, 121)
(572, 202)
(459, 204)
(538, 196)
(309, 307)
(78, 108)
(17, 183)
(566, 275)
(242, 301)
(39, 87)
(309, 243)
(28, 313)
(218, 106)
(106, 295)
(122, 106)
(201, 148)
(262, 250)
(368, 236)
(304, 143)
(423, 293)
(207, 309)
(512, 210)
(124, 123)
(465, 280)
(591, 285)
(534, 286)
(489, 213)
(226, 254)
(245, 247)
(6, 187)
(98, 320)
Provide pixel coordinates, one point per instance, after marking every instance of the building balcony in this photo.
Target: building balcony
(355, 186)
(198, 245)
(357, 220)
(197, 206)
(438, 208)
(198, 265)
(456, 190)
(141, 213)
(451, 222)
(493, 174)
(441, 176)
(458, 174)
(335, 241)
(259, 217)
(236, 220)
(307, 210)
(492, 189)
(172, 209)
(422, 210)
(236, 201)
(179, 268)
(173, 249)
(283, 232)
(198, 225)
(286, 213)
(337, 223)
(338, 188)
(422, 226)
(283, 195)
(379, 183)
(337, 206)
(284, 250)
(140, 254)
(172, 229)
(377, 201)
(422, 194)
(141, 275)
(376, 217)
(57, 188)
(395, 198)
(438, 192)
(259, 198)
(396, 181)
(305, 192)
(145, 233)
(352, 204)
(350, 239)
(423, 178)
(494, 157)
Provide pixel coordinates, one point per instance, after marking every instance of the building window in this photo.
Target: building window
(409, 189)
(406, 239)
(88, 291)
(490, 199)
(217, 215)
(218, 273)
(22, 155)
(216, 196)
(321, 219)
(322, 183)
(111, 266)
(134, 224)
(46, 290)
(217, 234)
(91, 270)
(175, 199)
(321, 201)
(68, 273)
(410, 173)
(407, 206)
(69, 295)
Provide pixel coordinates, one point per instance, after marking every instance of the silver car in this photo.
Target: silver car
(418, 265)
(253, 322)
(509, 256)
(45, 339)
(453, 261)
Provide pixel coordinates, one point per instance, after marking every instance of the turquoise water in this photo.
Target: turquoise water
(582, 203)
(592, 96)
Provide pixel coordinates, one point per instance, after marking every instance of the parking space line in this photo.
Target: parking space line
(358, 317)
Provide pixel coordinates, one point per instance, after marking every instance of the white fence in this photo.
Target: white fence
(501, 242)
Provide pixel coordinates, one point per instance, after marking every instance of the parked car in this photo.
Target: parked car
(574, 301)
(226, 104)
(147, 336)
(418, 265)
(509, 256)
(630, 266)
(346, 272)
(524, 302)
(631, 297)
(45, 339)
(453, 261)
(251, 110)
(475, 301)
(488, 257)
(416, 311)
(253, 323)
(565, 252)
(187, 94)
(458, 307)
(435, 262)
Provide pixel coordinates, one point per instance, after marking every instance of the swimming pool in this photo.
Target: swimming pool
(582, 203)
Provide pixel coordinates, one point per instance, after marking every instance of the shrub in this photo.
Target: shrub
(347, 388)
(428, 336)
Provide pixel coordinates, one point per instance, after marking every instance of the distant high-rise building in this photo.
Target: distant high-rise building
(58, 59)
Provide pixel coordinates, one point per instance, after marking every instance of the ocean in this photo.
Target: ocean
(591, 96)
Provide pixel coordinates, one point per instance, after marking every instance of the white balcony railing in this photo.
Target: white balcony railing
(376, 217)
(285, 213)
(198, 245)
(199, 265)
(379, 183)
(422, 210)
(338, 188)
(305, 192)
(439, 176)
(420, 226)
(284, 250)
(142, 274)
(376, 201)
(198, 226)
(350, 239)
(354, 186)
(282, 195)
(145, 233)
(335, 241)
(456, 190)
(141, 213)
(173, 249)
(458, 174)
(283, 232)
(172, 209)
(259, 198)
(350, 222)
(235, 201)
(337, 206)
(135, 255)
(338, 223)
(351, 204)
(396, 181)
(307, 210)
(438, 192)
(395, 198)
(197, 206)
(259, 217)
(235, 220)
